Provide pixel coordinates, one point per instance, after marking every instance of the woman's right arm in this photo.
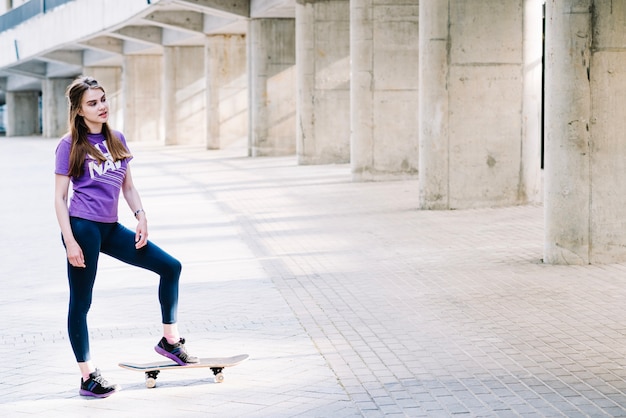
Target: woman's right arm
(74, 252)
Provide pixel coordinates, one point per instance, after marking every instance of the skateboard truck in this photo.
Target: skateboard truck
(217, 372)
(151, 376)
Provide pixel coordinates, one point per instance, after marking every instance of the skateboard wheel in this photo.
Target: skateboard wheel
(151, 377)
(219, 378)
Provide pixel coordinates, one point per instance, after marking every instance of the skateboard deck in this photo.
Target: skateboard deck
(216, 364)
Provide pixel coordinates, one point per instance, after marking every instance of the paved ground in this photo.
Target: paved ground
(349, 301)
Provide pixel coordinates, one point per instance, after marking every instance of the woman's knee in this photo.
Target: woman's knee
(175, 267)
(79, 307)
(164, 264)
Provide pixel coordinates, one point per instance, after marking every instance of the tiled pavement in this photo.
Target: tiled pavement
(350, 301)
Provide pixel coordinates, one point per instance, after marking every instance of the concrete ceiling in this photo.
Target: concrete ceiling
(164, 23)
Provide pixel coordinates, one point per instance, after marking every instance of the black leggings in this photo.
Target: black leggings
(119, 242)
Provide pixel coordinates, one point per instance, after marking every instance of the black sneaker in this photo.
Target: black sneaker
(176, 352)
(97, 386)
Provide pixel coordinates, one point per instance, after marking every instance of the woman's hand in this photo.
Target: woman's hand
(75, 255)
(141, 234)
(134, 202)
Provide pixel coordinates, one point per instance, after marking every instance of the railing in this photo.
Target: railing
(27, 11)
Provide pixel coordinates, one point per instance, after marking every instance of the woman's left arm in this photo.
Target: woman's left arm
(134, 202)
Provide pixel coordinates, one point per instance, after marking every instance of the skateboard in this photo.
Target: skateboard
(216, 364)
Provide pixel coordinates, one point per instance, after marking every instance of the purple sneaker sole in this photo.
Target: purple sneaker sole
(169, 355)
(85, 392)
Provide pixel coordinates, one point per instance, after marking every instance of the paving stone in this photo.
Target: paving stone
(350, 300)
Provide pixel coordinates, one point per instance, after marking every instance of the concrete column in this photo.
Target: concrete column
(54, 107)
(585, 146)
(184, 95)
(227, 91)
(471, 104)
(323, 66)
(567, 146)
(271, 52)
(607, 127)
(22, 113)
(434, 112)
(384, 44)
(142, 91)
(110, 78)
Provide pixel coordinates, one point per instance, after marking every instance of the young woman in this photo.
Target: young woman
(94, 160)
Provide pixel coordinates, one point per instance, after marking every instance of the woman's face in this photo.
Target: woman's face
(94, 109)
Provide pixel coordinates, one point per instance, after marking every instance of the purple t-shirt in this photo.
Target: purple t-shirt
(96, 193)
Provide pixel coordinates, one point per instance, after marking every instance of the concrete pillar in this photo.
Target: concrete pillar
(227, 91)
(323, 67)
(384, 44)
(22, 113)
(585, 146)
(271, 52)
(434, 109)
(531, 189)
(110, 78)
(142, 86)
(567, 146)
(471, 103)
(54, 107)
(184, 95)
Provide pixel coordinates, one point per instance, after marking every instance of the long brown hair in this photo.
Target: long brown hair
(78, 130)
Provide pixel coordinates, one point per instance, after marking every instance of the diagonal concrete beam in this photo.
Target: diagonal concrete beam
(142, 48)
(186, 21)
(64, 57)
(275, 8)
(146, 34)
(58, 70)
(16, 81)
(225, 8)
(223, 25)
(176, 38)
(33, 68)
(105, 43)
(97, 57)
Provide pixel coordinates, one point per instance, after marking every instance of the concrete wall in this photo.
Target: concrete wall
(227, 91)
(22, 113)
(531, 189)
(142, 86)
(184, 100)
(384, 42)
(54, 107)
(472, 104)
(486, 103)
(323, 67)
(271, 54)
